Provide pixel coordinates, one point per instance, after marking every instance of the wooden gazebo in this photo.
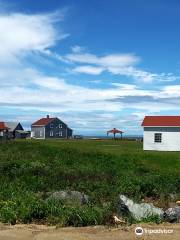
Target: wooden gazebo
(114, 131)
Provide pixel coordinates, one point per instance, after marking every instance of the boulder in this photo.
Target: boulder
(172, 214)
(138, 211)
(70, 196)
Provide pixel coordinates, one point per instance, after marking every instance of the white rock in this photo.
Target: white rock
(138, 211)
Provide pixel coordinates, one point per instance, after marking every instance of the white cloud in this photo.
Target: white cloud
(88, 70)
(119, 64)
(113, 60)
(31, 93)
(125, 86)
(77, 49)
(39, 92)
(23, 87)
(119, 60)
(23, 33)
(173, 90)
(141, 75)
(82, 58)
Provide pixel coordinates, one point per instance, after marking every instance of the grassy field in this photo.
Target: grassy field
(29, 169)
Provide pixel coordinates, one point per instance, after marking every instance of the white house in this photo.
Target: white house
(161, 133)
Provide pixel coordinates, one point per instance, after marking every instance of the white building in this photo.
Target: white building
(161, 133)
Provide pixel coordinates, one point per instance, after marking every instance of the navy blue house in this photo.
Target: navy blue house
(50, 128)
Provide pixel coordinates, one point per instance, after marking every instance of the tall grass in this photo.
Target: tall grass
(100, 169)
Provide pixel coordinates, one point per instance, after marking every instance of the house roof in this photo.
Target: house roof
(11, 125)
(3, 126)
(114, 130)
(43, 121)
(161, 121)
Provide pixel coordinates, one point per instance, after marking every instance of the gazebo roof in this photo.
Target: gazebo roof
(114, 130)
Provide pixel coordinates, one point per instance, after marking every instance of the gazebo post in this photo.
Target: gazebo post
(114, 131)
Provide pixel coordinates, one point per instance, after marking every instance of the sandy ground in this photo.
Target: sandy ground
(41, 232)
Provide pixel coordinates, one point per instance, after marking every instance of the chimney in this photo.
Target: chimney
(47, 116)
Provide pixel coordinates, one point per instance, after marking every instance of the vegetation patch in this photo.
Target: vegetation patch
(29, 170)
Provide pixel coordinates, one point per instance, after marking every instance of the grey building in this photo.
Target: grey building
(15, 130)
(50, 128)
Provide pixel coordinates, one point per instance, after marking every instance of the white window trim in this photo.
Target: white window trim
(51, 134)
(60, 125)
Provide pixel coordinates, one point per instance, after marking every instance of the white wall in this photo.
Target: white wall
(38, 132)
(170, 138)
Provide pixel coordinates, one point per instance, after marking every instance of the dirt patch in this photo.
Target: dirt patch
(42, 232)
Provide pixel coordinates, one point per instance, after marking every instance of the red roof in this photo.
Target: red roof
(43, 121)
(114, 130)
(3, 126)
(168, 121)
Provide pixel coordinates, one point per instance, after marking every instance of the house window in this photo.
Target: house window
(158, 137)
(51, 125)
(41, 133)
(1, 134)
(60, 125)
(51, 134)
(60, 133)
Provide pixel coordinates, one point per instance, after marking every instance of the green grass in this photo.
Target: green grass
(101, 169)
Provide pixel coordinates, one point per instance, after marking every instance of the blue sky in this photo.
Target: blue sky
(94, 64)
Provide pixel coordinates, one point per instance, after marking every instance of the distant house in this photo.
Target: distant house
(161, 133)
(50, 128)
(3, 131)
(15, 130)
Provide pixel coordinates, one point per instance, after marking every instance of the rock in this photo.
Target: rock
(70, 196)
(138, 211)
(172, 214)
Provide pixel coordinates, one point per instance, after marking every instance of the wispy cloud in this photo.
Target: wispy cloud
(77, 49)
(118, 64)
(113, 60)
(31, 89)
(24, 33)
(24, 87)
(88, 70)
